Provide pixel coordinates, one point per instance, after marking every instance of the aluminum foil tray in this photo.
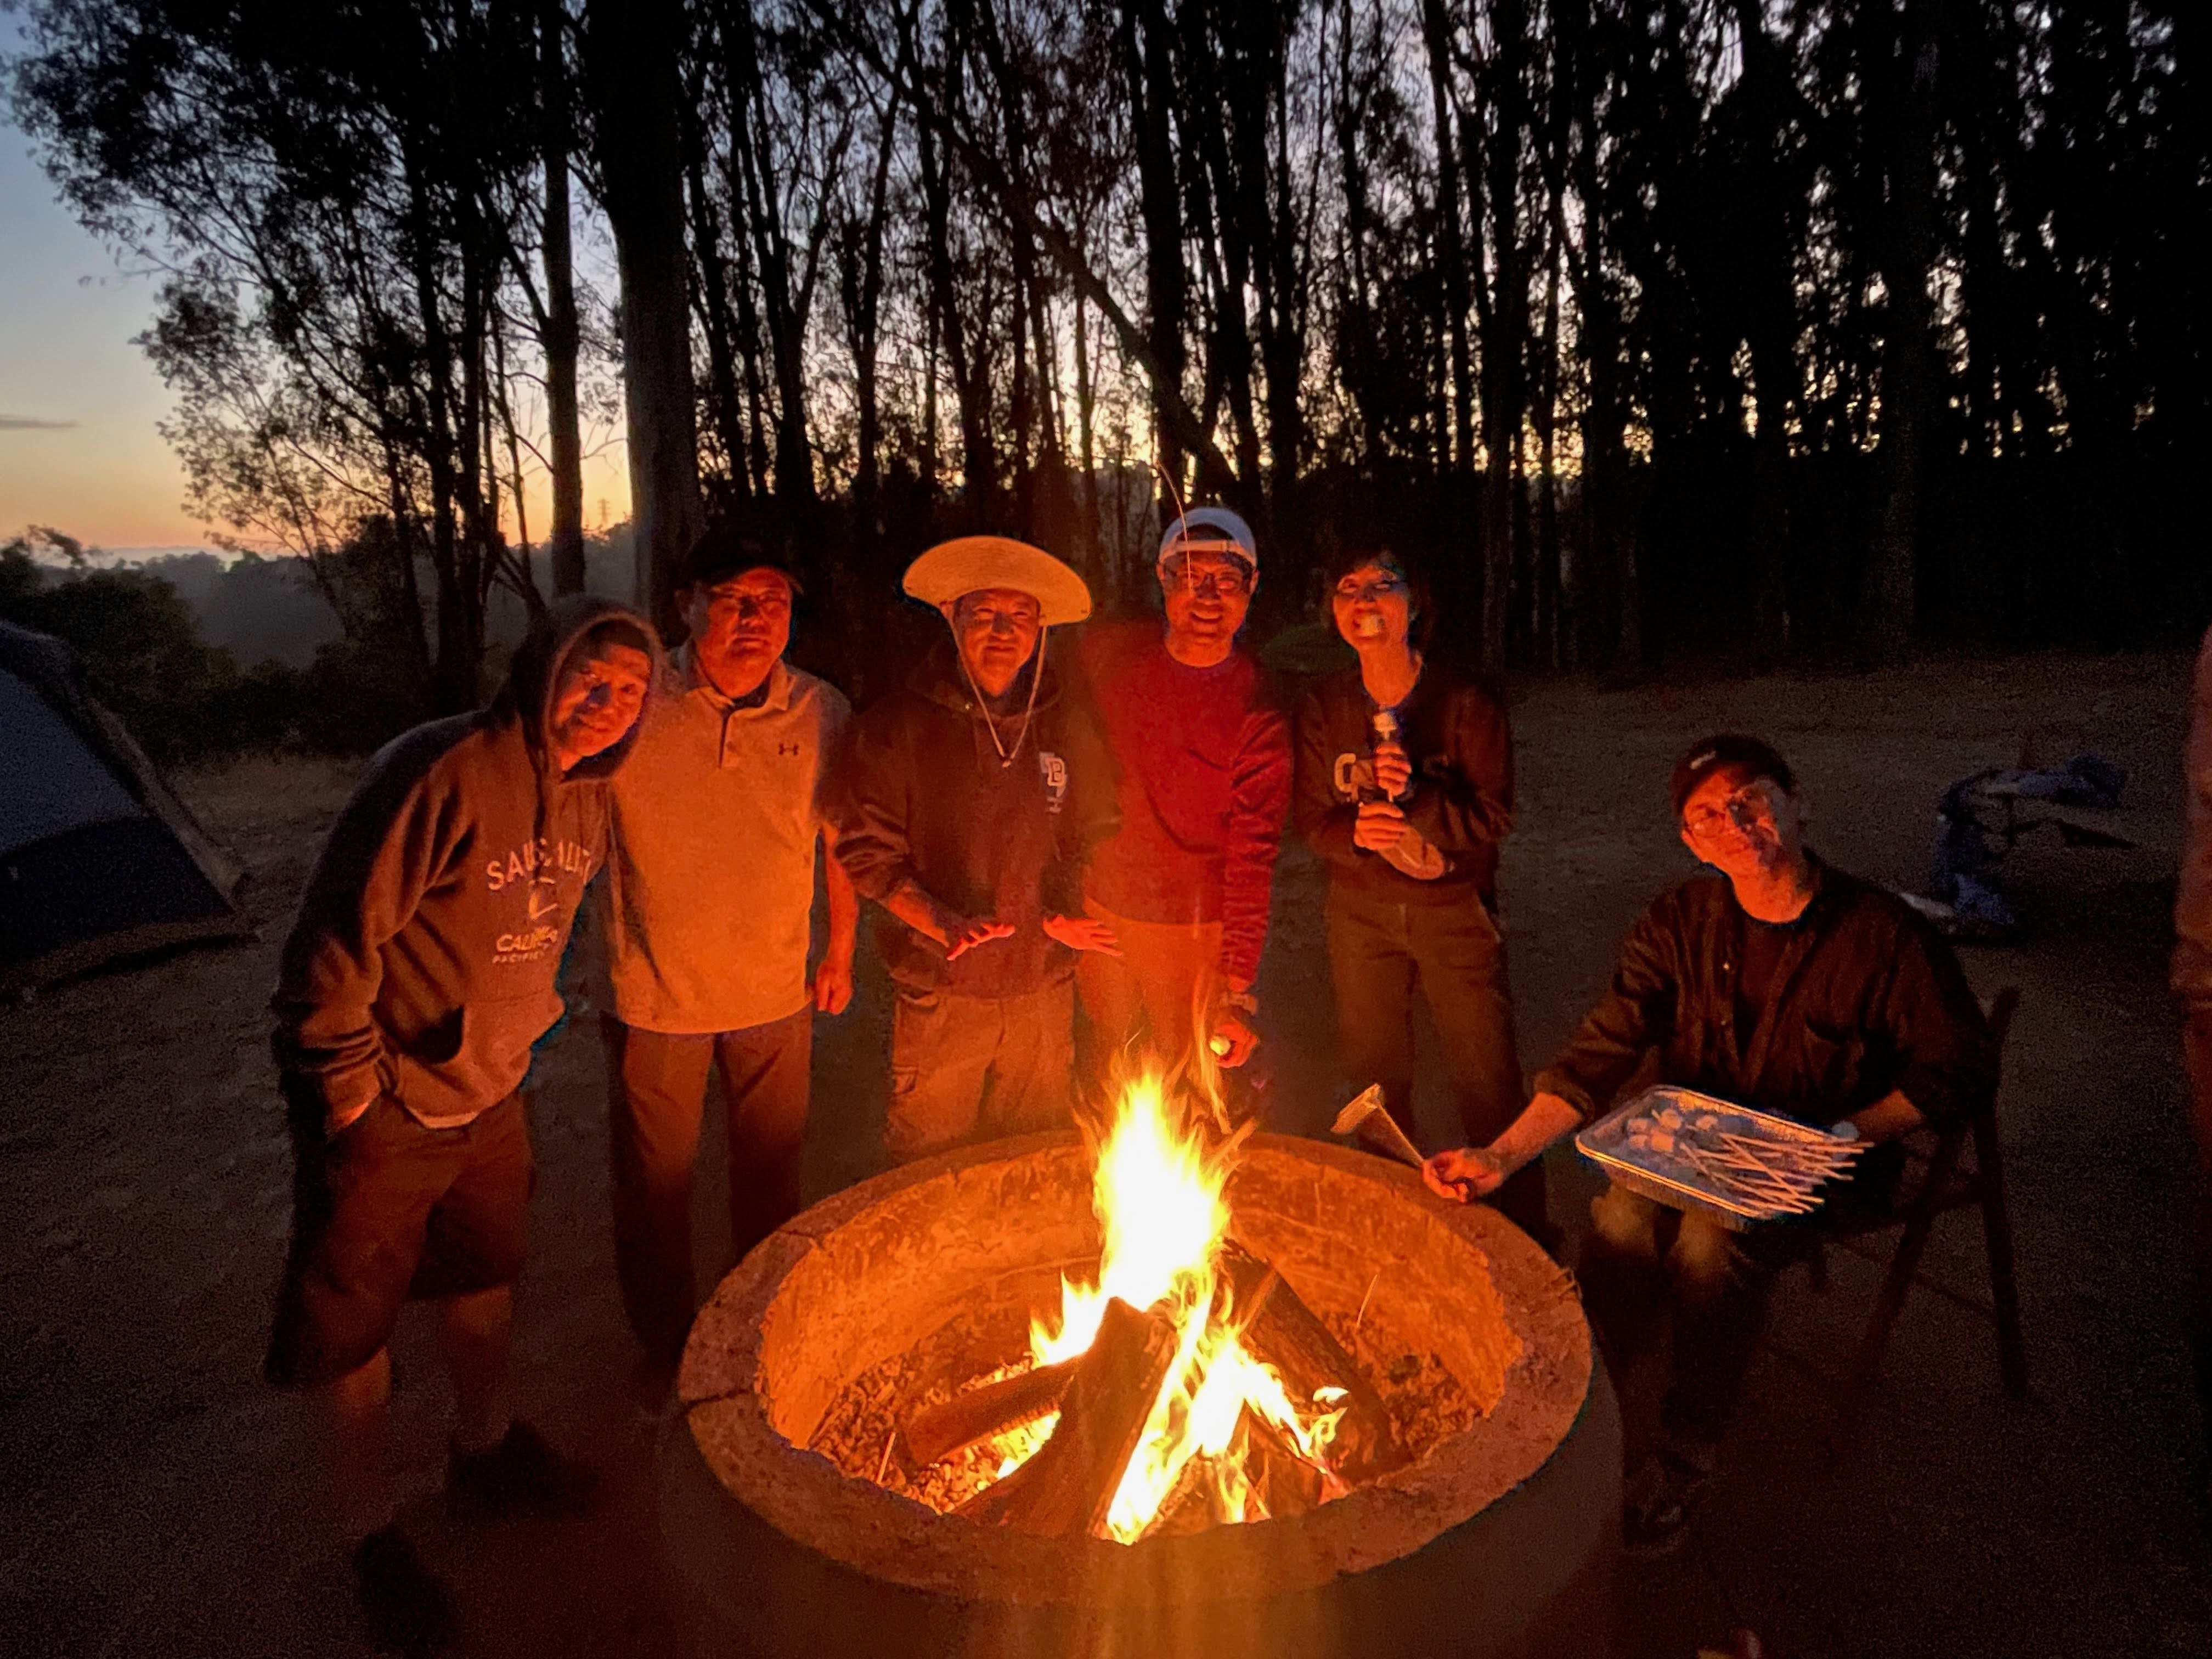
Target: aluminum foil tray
(1644, 1168)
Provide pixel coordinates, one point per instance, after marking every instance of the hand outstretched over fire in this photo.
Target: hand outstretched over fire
(1465, 1172)
(1083, 933)
(963, 934)
(1470, 1172)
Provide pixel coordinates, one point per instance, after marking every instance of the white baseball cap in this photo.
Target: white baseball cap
(1209, 529)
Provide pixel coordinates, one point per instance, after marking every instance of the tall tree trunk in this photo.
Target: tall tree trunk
(864, 303)
(562, 333)
(1085, 439)
(1149, 66)
(1767, 249)
(453, 671)
(725, 403)
(1550, 583)
(1505, 330)
(979, 466)
(1908, 373)
(633, 50)
(1451, 251)
(783, 293)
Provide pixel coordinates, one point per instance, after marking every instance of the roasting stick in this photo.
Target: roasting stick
(1734, 1171)
(1370, 1120)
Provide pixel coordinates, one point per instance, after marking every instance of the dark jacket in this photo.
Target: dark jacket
(423, 962)
(920, 795)
(2192, 898)
(1462, 801)
(1867, 998)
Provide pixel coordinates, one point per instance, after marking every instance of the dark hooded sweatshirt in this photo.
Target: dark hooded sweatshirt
(920, 795)
(424, 959)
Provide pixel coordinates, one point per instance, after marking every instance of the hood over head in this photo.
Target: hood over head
(536, 670)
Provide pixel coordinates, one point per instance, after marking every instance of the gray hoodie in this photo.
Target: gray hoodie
(423, 962)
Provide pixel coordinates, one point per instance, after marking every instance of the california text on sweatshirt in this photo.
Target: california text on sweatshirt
(423, 960)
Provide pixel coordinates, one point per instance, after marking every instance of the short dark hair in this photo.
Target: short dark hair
(1749, 755)
(1358, 555)
(721, 553)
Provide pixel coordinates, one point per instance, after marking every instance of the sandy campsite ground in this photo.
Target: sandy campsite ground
(160, 1501)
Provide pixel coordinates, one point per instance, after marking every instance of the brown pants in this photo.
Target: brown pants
(1148, 994)
(1381, 955)
(387, 1210)
(657, 1088)
(967, 1068)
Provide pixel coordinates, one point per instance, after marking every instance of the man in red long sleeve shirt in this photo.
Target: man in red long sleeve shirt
(1202, 755)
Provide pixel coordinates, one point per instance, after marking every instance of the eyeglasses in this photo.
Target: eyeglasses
(1229, 582)
(1380, 587)
(997, 616)
(1747, 807)
(738, 602)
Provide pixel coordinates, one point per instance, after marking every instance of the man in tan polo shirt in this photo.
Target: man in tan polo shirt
(706, 908)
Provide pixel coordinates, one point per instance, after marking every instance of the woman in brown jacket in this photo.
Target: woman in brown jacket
(1404, 786)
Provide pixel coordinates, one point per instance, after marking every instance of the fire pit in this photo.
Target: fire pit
(1455, 1489)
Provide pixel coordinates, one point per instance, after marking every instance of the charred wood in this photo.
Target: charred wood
(935, 1432)
(1066, 1489)
(1285, 1333)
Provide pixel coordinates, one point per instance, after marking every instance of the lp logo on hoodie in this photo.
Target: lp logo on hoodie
(1054, 770)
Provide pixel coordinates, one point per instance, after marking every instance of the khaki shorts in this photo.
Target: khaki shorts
(387, 1210)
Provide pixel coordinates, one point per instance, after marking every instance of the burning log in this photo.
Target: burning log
(1067, 1488)
(1280, 1330)
(1283, 1480)
(937, 1432)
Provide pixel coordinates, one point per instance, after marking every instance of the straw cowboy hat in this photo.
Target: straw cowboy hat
(951, 568)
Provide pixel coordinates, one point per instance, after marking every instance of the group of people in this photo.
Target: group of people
(1040, 832)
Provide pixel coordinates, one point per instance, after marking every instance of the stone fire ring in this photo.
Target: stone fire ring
(1498, 1540)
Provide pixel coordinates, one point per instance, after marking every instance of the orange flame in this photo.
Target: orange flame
(1157, 1193)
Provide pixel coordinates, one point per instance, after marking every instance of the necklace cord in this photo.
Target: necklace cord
(990, 721)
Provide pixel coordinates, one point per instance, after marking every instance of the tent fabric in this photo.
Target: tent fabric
(49, 781)
(99, 858)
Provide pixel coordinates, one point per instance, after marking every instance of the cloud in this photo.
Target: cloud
(31, 423)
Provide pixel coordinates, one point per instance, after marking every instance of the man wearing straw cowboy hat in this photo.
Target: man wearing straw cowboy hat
(965, 807)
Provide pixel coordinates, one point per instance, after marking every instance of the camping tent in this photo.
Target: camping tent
(98, 857)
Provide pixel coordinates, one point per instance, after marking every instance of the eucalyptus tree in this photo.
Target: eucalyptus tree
(334, 196)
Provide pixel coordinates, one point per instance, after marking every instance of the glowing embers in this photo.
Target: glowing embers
(1186, 1387)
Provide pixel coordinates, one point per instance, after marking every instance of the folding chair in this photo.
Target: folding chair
(1936, 1181)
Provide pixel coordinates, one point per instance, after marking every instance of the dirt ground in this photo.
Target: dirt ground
(160, 1501)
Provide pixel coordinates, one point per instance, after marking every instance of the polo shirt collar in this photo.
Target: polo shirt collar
(778, 683)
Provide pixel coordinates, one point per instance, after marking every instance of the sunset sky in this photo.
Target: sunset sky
(79, 404)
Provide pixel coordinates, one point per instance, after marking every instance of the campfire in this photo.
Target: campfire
(1161, 1390)
(1183, 1385)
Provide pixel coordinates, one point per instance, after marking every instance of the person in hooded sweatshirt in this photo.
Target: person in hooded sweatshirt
(419, 973)
(965, 805)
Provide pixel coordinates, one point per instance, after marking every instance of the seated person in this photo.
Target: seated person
(1786, 986)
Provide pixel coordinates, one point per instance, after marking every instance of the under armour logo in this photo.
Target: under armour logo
(786, 749)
